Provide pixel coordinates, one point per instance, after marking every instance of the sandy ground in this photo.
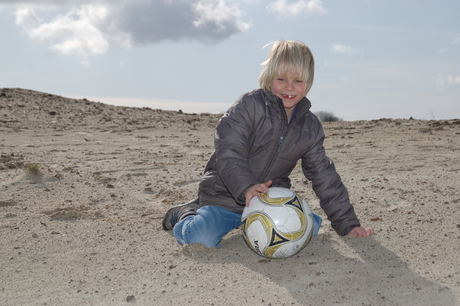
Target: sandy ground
(86, 230)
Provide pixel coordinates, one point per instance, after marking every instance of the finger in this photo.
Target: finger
(362, 232)
(261, 190)
(248, 201)
(353, 233)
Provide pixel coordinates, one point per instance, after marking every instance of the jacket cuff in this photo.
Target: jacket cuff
(347, 230)
(242, 198)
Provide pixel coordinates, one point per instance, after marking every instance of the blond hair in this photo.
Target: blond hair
(288, 58)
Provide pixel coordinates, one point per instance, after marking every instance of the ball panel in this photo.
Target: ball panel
(255, 206)
(255, 236)
(279, 214)
(276, 196)
(280, 192)
(294, 224)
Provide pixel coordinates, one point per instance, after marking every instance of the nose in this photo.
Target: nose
(289, 85)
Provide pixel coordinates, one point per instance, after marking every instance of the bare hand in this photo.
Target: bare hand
(256, 190)
(359, 232)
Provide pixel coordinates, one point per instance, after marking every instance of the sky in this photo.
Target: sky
(373, 58)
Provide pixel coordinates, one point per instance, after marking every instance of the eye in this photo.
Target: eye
(299, 81)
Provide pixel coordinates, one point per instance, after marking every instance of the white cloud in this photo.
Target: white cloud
(456, 41)
(25, 16)
(76, 31)
(49, 3)
(85, 63)
(93, 27)
(286, 8)
(450, 48)
(447, 80)
(217, 13)
(337, 48)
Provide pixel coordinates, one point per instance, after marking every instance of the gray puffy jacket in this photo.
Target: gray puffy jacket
(255, 143)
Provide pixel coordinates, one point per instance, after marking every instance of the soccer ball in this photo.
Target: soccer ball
(277, 224)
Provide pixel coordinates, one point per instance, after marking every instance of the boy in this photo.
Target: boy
(258, 142)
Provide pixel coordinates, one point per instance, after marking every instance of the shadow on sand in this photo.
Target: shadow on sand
(343, 271)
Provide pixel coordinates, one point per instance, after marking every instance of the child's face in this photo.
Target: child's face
(290, 89)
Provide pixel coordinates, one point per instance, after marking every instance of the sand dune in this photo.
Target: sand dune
(86, 229)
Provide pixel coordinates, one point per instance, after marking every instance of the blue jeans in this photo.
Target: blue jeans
(212, 223)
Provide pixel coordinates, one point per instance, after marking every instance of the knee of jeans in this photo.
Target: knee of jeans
(209, 242)
(208, 239)
(186, 233)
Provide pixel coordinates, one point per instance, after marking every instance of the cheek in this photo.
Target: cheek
(301, 88)
(274, 89)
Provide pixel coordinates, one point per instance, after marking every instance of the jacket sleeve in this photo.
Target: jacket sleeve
(327, 184)
(232, 146)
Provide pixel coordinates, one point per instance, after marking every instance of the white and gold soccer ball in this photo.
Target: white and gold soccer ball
(277, 224)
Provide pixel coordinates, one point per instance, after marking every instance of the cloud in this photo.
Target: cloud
(447, 80)
(78, 31)
(220, 16)
(207, 21)
(451, 47)
(26, 17)
(337, 48)
(85, 28)
(287, 8)
(456, 41)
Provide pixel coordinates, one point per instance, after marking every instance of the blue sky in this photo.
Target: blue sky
(374, 59)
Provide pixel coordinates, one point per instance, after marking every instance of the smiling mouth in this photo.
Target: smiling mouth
(288, 96)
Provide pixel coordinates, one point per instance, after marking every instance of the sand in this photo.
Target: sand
(86, 229)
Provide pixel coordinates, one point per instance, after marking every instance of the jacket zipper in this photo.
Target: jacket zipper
(284, 132)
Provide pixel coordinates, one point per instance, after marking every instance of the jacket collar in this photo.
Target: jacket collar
(304, 104)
